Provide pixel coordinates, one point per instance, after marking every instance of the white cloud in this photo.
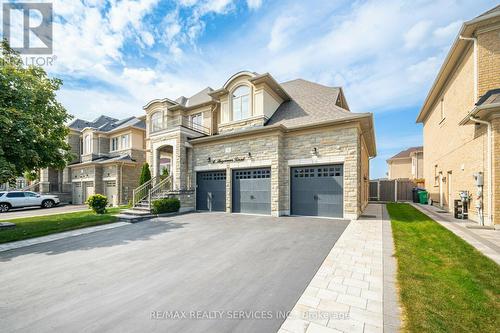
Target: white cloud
(280, 33)
(254, 4)
(447, 32)
(417, 34)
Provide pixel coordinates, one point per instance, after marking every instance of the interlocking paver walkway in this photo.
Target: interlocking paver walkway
(347, 293)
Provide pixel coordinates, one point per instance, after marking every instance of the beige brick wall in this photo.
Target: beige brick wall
(280, 150)
(451, 148)
(399, 168)
(488, 60)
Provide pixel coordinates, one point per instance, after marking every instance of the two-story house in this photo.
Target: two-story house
(109, 154)
(407, 164)
(461, 121)
(258, 146)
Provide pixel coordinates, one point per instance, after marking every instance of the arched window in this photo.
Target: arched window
(156, 121)
(241, 108)
(87, 144)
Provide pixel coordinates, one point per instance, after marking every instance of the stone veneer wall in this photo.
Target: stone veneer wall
(238, 125)
(277, 149)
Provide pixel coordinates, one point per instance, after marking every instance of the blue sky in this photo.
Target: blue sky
(115, 56)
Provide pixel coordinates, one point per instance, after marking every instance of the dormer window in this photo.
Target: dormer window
(241, 108)
(156, 122)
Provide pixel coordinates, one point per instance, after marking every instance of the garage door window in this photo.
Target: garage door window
(252, 174)
(214, 176)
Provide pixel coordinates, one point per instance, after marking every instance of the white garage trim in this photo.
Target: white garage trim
(247, 164)
(317, 160)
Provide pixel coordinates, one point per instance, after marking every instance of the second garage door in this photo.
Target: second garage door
(317, 191)
(252, 191)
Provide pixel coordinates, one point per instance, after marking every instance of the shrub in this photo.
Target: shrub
(98, 203)
(167, 205)
(145, 174)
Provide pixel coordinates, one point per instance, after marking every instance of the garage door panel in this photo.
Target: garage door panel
(252, 191)
(317, 191)
(211, 191)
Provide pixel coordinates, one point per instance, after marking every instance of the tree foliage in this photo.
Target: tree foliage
(145, 174)
(33, 129)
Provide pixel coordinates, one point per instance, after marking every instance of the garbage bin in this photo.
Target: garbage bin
(423, 197)
(414, 193)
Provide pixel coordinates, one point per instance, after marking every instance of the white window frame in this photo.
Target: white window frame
(240, 101)
(87, 144)
(156, 125)
(125, 141)
(115, 140)
(197, 126)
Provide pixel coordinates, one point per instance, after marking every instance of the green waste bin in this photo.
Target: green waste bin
(423, 197)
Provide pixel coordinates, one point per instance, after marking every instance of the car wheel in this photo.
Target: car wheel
(48, 204)
(4, 207)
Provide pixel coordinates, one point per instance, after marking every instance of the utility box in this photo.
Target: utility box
(478, 177)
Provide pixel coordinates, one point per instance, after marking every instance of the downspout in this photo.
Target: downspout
(475, 64)
(490, 173)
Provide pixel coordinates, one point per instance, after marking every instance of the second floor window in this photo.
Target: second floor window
(197, 121)
(125, 141)
(241, 97)
(87, 144)
(156, 121)
(114, 144)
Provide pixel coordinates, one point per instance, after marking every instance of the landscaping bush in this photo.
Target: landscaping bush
(98, 203)
(167, 205)
(145, 174)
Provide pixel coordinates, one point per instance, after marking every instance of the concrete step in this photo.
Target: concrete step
(136, 212)
(133, 218)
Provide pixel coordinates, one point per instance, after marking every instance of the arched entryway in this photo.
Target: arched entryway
(164, 160)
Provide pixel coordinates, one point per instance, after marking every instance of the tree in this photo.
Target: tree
(145, 174)
(33, 129)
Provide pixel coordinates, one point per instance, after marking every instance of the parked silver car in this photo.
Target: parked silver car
(19, 199)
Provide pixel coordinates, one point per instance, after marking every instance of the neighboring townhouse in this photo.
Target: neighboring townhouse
(407, 164)
(461, 121)
(262, 147)
(109, 154)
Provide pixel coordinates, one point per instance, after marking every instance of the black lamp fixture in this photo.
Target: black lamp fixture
(209, 159)
(249, 155)
(314, 151)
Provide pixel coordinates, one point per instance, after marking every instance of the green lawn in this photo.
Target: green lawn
(44, 225)
(445, 284)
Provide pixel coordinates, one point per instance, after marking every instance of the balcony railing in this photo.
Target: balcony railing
(184, 121)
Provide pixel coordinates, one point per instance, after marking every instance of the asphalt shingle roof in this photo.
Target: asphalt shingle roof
(310, 103)
(491, 97)
(407, 153)
(106, 124)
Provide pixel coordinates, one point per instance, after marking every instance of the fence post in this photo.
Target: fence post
(395, 190)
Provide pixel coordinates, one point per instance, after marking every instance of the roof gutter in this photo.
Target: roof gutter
(473, 39)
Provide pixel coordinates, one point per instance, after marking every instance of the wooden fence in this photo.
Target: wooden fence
(391, 190)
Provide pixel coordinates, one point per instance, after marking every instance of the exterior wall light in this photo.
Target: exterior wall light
(249, 155)
(209, 159)
(314, 151)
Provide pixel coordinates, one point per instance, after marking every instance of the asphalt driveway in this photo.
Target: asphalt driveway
(201, 272)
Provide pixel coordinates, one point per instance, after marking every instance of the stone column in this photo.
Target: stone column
(44, 181)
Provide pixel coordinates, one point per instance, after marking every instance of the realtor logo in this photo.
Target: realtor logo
(28, 27)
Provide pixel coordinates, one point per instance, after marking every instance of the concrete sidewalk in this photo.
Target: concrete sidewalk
(354, 289)
(37, 211)
(486, 241)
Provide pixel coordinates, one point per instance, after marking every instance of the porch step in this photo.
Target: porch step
(136, 212)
